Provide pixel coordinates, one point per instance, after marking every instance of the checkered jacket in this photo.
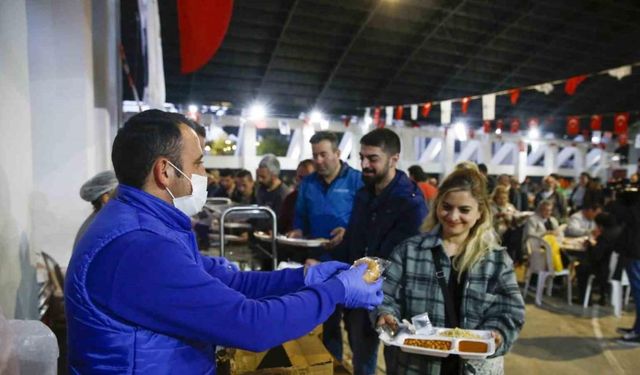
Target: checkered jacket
(491, 300)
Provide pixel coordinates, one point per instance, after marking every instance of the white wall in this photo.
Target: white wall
(52, 137)
(68, 142)
(16, 178)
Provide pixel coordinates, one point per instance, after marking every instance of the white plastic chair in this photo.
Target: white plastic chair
(617, 287)
(541, 263)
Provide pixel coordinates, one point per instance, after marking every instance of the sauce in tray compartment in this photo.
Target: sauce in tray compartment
(429, 344)
(473, 346)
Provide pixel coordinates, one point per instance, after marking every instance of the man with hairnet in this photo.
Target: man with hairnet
(97, 190)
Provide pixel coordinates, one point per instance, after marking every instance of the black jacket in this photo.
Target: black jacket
(379, 223)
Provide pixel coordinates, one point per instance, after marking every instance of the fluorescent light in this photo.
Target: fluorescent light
(534, 133)
(316, 116)
(498, 131)
(193, 108)
(257, 111)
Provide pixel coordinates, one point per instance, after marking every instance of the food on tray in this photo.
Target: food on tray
(373, 269)
(459, 333)
(473, 346)
(429, 344)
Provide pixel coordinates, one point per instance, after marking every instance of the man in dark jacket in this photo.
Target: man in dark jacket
(387, 210)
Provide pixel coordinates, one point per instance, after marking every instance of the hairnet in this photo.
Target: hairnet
(99, 184)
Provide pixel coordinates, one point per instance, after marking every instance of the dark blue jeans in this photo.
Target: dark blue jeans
(633, 272)
(363, 340)
(332, 334)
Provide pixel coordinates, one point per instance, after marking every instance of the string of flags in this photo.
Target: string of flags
(571, 85)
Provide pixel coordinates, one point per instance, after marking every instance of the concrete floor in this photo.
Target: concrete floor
(561, 339)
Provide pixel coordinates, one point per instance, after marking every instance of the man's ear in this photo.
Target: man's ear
(394, 159)
(162, 172)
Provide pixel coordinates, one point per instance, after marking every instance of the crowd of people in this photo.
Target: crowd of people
(453, 248)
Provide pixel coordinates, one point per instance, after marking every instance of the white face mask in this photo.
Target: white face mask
(193, 203)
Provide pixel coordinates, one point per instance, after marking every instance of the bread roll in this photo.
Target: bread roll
(373, 269)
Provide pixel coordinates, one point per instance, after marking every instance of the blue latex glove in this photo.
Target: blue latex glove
(321, 272)
(224, 262)
(359, 293)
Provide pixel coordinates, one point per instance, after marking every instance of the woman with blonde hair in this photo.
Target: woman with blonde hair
(457, 272)
(503, 212)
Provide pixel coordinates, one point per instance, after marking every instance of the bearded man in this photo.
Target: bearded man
(387, 210)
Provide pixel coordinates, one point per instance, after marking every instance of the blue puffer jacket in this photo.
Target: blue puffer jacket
(140, 299)
(320, 208)
(379, 223)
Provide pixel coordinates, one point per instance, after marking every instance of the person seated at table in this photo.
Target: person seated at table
(502, 211)
(598, 251)
(543, 224)
(582, 222)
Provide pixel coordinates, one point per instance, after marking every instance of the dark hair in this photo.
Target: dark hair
(483, 168)
(226, 172)
(592, 206)
(417, 173)
(305, 163)
(201, 130)
(325, 136)
(605, 220)
(244, 173)
(587, 175)
(142, 140)
(384, 138)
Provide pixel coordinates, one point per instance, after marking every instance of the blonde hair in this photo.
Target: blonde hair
(499, 190)
(482, 237)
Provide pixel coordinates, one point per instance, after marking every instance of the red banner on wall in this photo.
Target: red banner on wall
(621, 123)
(573, 125)
(596, 122)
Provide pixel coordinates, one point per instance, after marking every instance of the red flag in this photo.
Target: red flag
(347, 121)
(202, 25)
(465, 104)
(572, 84)
(426, 108)
(376, 116)
(399, 112)
(623, 139)
(515, 95)
(596, 122)
(573, 125)
(515, 125)
(621, 123)
(486, 126)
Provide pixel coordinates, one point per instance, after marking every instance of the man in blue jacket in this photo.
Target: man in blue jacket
(139, 297)
(387, 210)
(323, 208)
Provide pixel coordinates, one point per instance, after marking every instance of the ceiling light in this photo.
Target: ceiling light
(193, 108)
(534, 133)
(316, 116)
(257, 111)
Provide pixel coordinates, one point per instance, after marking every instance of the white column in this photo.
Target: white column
(521, 163)
(550, 156)
(448, 152)
(16, 178)
(247, 137)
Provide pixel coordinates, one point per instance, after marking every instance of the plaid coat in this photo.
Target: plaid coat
(491, 300)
